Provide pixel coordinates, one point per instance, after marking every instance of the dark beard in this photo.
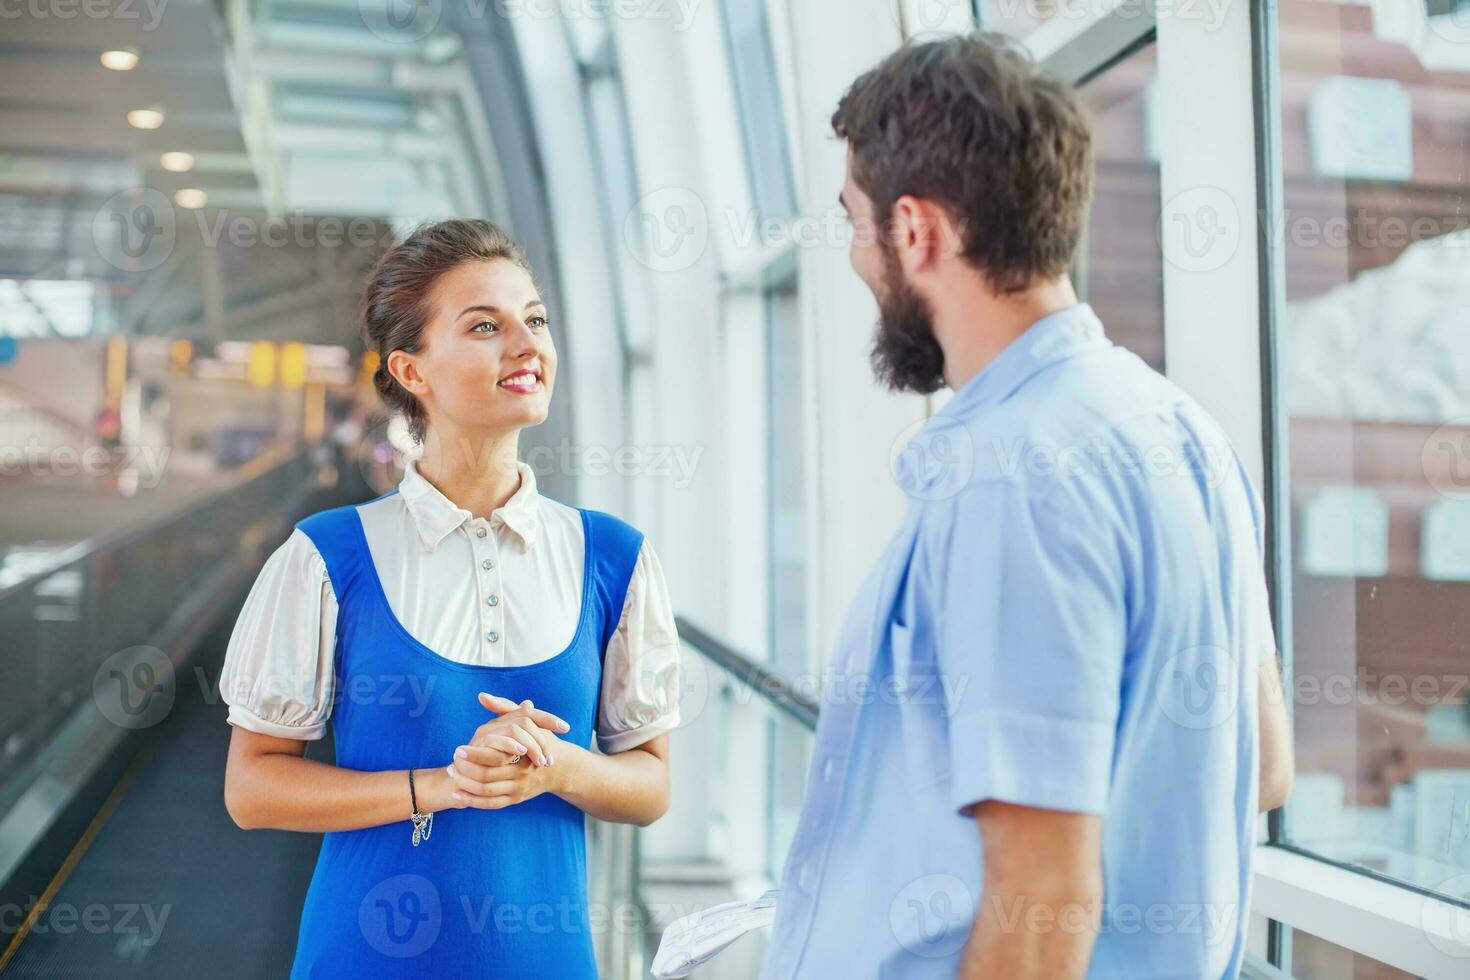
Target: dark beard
(905, 356)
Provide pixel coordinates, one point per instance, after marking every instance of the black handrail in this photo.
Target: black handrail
(115, 538)
(769, 685)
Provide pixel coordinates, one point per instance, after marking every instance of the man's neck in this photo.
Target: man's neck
(973, 324)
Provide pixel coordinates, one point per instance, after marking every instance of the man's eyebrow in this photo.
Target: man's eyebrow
(485, 308)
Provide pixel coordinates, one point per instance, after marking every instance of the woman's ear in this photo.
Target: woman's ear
(404, 368)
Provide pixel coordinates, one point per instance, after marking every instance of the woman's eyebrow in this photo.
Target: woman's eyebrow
(483, 308)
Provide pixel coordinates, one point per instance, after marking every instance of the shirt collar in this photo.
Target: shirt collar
(435, 515)
(1055, 337)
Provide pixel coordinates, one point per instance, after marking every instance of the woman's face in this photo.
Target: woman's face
(488, 360)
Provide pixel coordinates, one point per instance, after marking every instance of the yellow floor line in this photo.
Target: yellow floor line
(71, 859)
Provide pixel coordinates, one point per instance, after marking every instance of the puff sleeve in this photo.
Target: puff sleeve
(277, 676)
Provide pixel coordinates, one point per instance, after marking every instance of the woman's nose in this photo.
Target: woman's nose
(523, 339)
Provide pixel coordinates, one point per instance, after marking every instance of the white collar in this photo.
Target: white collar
(435, 515)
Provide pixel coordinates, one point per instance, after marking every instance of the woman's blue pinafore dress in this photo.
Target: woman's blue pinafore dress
(491, 893)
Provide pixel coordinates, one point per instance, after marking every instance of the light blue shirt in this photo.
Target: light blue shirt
(1071, 617)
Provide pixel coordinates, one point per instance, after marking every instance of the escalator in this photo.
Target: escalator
(141, 872)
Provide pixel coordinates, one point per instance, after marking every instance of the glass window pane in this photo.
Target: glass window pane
(788, 581)
(789, 481)
(754, 68)
(1018, 17)
(1313, 958)
(1120, 268)
(1376, 382)
(607, 111)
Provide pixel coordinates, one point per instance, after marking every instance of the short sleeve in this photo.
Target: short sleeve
(641, 668)
(277, 675)
(1031, 641)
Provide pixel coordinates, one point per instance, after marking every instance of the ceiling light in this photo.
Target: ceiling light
(121, 59)
(177, 161)
(145, 118)
(190, 197)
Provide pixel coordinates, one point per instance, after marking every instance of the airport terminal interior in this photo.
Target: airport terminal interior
(192, 193)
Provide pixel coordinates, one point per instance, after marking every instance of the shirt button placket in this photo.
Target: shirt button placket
(487, 578)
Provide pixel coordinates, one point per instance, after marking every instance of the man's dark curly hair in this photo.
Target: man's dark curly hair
(972, 123)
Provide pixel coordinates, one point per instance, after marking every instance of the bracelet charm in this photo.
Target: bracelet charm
(423, 823)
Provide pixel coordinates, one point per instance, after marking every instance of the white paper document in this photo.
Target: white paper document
(693, 939)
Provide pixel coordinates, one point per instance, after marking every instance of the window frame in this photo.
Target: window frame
(1235, 374)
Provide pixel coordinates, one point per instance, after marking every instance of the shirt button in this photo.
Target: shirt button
(492, 600)
(805, 877)
(828, 768)
(487, 564)
(479, 532)
(492, 636)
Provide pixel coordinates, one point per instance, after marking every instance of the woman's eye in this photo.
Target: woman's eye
(485, 323)
(539, 322)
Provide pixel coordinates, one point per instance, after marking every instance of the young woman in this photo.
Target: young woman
(467, 637)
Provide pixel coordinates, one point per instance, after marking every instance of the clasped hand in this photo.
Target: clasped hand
(505, 762)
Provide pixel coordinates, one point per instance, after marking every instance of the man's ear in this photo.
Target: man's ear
(921, 232)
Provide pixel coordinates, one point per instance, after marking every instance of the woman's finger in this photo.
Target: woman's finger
(549, 721)
(487, 733)
(543, 719)
(497, 704)
(476, 783)
(469, 801)
(476, 772)
(535, 739)
(505, 706)
(496, 750)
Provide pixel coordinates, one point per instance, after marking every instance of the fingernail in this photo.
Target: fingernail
(451, 770)
(460, 753)
(550, 760)
(456, 797)
(543, 761)
(520, 748)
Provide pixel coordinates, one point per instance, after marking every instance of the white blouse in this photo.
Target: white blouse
(504, 591)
